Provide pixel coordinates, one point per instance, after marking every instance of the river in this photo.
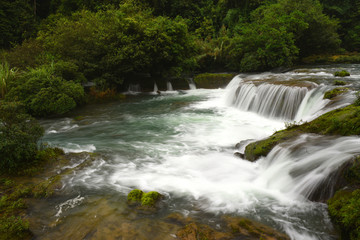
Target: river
(182, 144)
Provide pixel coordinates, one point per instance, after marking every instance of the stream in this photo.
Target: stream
(182, 144)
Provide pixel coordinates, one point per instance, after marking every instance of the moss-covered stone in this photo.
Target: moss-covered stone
(342, 73)
(335, 92)
(344, 122)
(344, 210)
(150, 199)
(213, 80)
(145, 200)
(339, 83)
(135, 196)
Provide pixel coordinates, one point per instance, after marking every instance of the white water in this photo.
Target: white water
(169, 86)
(182, 146)
(155, 88)
(192, 85)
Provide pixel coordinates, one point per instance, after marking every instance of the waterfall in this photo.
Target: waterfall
(276, 101)
(300, 166)
(155, 88)
(169, 86)
(192, 85)
(134, 88)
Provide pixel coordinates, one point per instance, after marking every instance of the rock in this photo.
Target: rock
(342, 73)
(145, 200)
(234, 228)
(239, 155)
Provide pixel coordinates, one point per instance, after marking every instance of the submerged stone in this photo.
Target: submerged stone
(234, 228)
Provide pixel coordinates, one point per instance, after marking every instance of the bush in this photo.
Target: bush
(339, 83)
(19, 134)
(44, 92)
(335, 92)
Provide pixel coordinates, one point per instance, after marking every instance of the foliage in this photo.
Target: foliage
(16, 22)
(7, 75)
(344, 209)
(111, 45)
(45, 92)
(19, 134)
(342, 73)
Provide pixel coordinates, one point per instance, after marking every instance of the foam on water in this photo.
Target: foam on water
(182, 145)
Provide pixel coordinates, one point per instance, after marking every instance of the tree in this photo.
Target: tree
(19, 134)
(45, 92)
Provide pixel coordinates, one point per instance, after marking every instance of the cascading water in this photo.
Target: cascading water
(155, 88)
(169, 87)
(192, 85)
(182, 145)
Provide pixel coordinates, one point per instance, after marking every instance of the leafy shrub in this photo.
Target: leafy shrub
(45, 93)
(19, 134)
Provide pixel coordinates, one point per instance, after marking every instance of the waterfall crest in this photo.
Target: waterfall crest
(276, 101)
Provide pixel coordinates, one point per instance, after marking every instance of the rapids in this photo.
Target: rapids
(182, 143)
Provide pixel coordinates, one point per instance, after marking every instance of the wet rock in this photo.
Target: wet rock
(235, 228)
(144, 200)
(239, 155)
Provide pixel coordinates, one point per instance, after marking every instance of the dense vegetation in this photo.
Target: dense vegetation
(66, 43)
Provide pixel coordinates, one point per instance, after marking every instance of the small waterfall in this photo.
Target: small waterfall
(276, 101)
(192, 85)
(155, 88)
(301, 166)
(169, 86)
(134, 88)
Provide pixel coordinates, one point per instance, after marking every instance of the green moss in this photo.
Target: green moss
(261, 148)
(339, 83)
(213, 80)
(344, 122)
(335, 92)
(341, 73)
(344, 210)
(150, 199)
(135, 196)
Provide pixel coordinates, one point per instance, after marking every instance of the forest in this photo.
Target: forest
(51, 50)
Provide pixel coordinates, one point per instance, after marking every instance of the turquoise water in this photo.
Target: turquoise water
(181, 143)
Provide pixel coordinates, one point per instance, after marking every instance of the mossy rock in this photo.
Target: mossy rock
(135, 196)
(342, 73)
(213, 80)
(344, 121)
(344, 210)
(335, 92)
(147, 200)
(150, 199)
(339, 83)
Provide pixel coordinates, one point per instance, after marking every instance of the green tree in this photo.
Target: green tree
(17, 22)
(44, 92)
(19, 134)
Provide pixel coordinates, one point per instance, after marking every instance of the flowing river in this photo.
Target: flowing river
(182, 144)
